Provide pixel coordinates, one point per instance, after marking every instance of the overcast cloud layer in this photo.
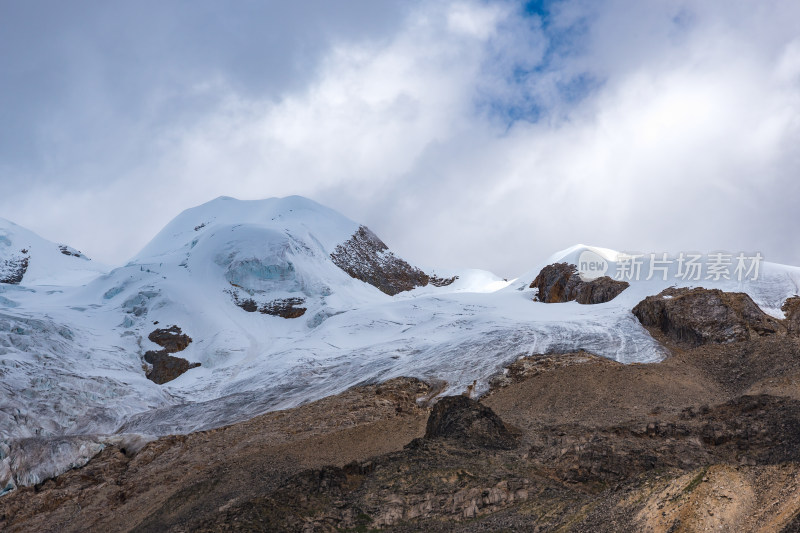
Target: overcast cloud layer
(476, 134)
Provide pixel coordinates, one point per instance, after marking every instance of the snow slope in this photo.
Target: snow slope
(71, 356)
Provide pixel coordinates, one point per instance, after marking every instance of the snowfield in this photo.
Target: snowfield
(73, 334)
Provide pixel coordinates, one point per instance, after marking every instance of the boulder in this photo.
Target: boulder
(469, 422)
(560, 282)
(696, 316)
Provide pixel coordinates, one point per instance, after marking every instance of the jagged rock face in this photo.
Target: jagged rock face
(560, 282)
(12, 270)
(364, 256)
(699, 316)
(171, 339)
(165, 367)
(469, 422)
(791, 310)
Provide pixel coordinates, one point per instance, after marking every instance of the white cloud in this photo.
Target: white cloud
(479, 21)
(685, 139)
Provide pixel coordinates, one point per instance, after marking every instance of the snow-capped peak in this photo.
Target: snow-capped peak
(28, 259)
(292, 215)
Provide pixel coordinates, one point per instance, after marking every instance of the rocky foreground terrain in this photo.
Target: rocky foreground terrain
(706, 440)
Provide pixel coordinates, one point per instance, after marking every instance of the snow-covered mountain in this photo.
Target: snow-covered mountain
(26, 258)
(278, 302)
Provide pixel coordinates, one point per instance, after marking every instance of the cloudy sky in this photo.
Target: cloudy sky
(486, 134)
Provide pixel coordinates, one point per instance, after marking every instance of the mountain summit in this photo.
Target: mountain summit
(280, 246)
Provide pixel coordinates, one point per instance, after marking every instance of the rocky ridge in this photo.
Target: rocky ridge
(365, 257)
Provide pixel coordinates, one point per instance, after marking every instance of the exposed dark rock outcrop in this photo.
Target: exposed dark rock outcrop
(71, 252)
(364, 256)
(282, 307)
(172, 339)
(597, 291)
(560, 282)
(12, 270)
(699, 316)
(471, 423)
(791, 310)
(166, 367)
(436, 281)
(248, 304)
